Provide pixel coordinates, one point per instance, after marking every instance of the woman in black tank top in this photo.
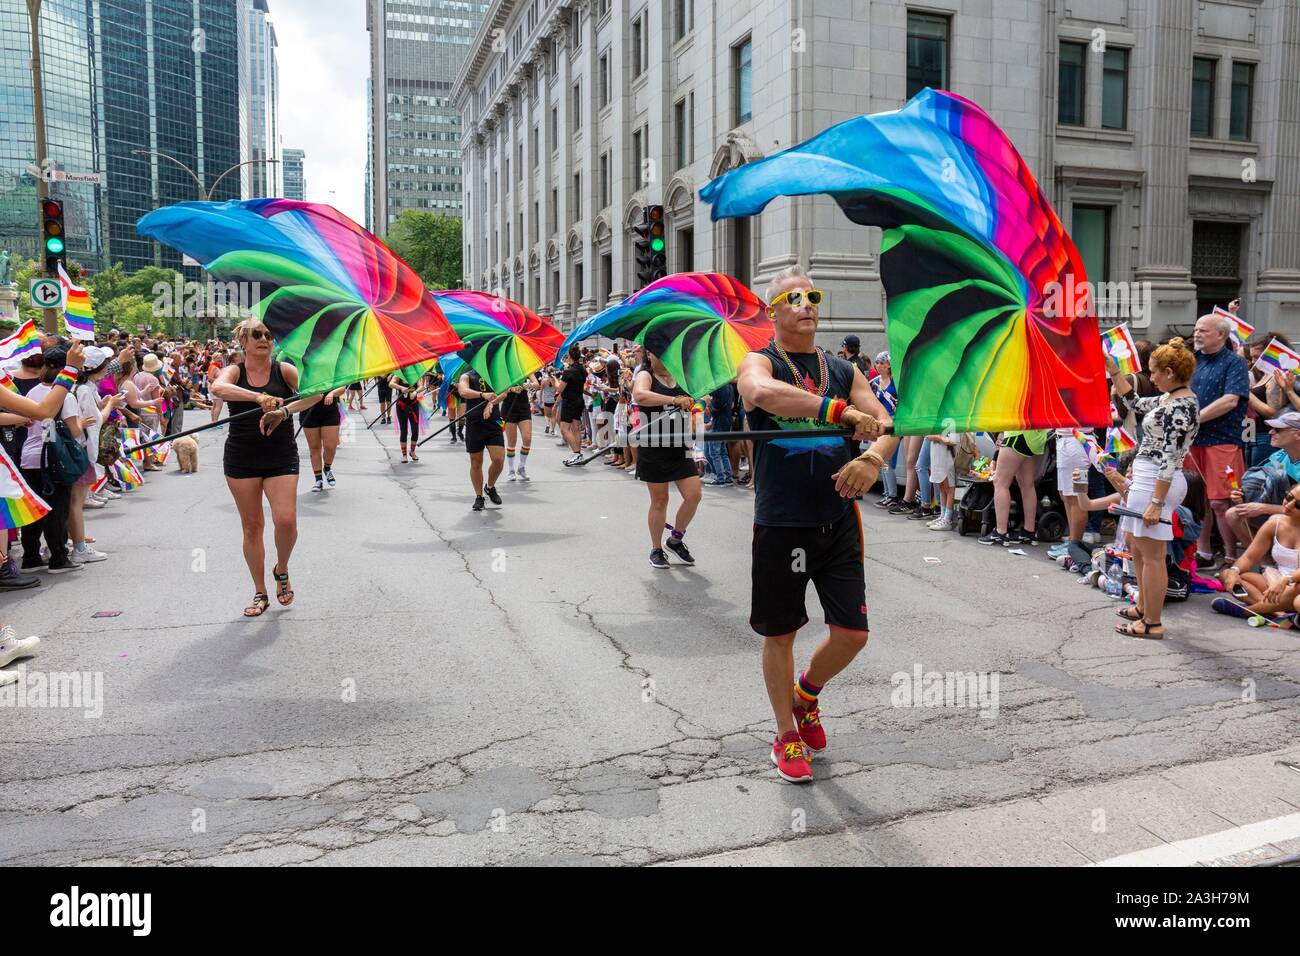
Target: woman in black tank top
(662, 457)
(261, 456)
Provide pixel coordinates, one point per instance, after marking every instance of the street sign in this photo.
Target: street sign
(47, 293)
(63, 176)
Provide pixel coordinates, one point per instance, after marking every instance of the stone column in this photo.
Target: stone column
(1277, 116)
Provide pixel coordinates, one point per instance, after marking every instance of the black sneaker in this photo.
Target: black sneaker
(492, 493)
(921, 513)
(37, 565)
(900, 508)
(478, 504)
(659, 560)
(1023, 537)
(994, 538)
(1206, 562)
(678, 547)
(886, 502)
(64, 567)
(11, 579)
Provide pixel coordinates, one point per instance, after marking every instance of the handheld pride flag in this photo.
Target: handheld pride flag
(1277, 356)
(990, 325)
(19, 505)
(1098, 458)
(25, 340)
(1119, 345)
(1240, 330)
(7, 382)
(1118, 441)
(130, 437)
(77, 311)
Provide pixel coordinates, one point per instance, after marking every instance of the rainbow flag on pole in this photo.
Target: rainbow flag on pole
(1276, 355)
(1241, 330)
(27, 339)
(1119, 345)
(77, 312)
(127, 475)
(1099, 459)
(130, 437)
(1119, 441)
(7, 382)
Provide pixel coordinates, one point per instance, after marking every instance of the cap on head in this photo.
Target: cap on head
(851, 341)
(1285, 420)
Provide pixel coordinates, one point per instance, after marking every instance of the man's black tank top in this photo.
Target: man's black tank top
(793, 476)
(246, 446)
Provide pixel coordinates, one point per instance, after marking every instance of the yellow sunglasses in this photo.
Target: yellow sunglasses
(795, 297)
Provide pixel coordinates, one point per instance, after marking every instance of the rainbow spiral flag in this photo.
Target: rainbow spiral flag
(1119, 345)
(77, 311)
(1118, 441)
(1278, 356)
(19, 505)
(990, 324)
(1240, 330)
(25, 340)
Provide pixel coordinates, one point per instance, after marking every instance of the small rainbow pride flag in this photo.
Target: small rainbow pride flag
(77, 312)
(1119, 345)
(130, 437)
(1241, 330)
(19, 505)
(1119, 441)
(101, 481)
(1276, 355)
(127, 475)
(1098, 458)
(27, 339)
(8, 382)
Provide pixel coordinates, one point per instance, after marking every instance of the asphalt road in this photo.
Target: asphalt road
(519, 686)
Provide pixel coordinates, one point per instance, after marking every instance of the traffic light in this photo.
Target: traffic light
(53, 236)
(651, 255)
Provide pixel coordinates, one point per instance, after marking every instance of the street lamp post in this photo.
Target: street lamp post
(205, 195)
(51, 320)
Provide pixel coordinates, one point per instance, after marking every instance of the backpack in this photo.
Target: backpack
(1265, 484)
(965, 453)
(63, 458)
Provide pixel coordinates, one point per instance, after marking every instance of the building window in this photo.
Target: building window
(604, 9)
(1070, 80)
(537, 220)
(604, 180)
(577, 280)
(742, 79)
(1243, 83)
(679, 134)
(577, 196)
(576, 29)
(741, 250)
(638, 41)
(636, 158)
(555, 212)
(577, 106)
(927, 52)
(555, 128)
(555, 288)
(604, 79)
(1114, 88)
(606, 279)
(683, 18)
(685, 250)
(1203, 96)
(1091, 235)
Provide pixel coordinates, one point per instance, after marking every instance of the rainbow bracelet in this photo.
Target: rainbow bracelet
(832, 410)
(67, 378)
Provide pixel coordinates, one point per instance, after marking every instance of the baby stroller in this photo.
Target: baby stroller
(975, 513)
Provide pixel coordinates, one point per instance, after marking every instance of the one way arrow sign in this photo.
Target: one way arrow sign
(47, 293)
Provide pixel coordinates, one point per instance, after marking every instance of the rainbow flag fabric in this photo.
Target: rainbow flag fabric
(1099, 459)
(77, 311)
(127, 475)
(1276, 355)
(19, 505)
(25, 340)
(1118, 441)
(1241, 330)
(7, 382)
(1119, 345)
(131, 437)
(101, 481)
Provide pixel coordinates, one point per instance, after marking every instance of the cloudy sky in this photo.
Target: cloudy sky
(324, 57)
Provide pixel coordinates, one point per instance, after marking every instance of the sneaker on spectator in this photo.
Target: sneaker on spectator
(993, 537)
(941, 523)
(1021, 536)
(63, 567)
(1206, 561)
(11, 579)
(901, 507)
(886, 502)
(94, 503)
(13, 647)
(922, 513)
(89, 556)
(8, 677)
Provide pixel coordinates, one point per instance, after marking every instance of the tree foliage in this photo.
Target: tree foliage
(431, 244)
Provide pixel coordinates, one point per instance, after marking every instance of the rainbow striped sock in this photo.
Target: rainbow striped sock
(807, 691)
(523, 455)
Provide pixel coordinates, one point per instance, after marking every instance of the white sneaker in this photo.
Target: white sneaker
(89, 556)
(511, 476)
(111, 495)
(13, 647)
(8, 677)
(94, 503)
(523, 475)
(940, 524)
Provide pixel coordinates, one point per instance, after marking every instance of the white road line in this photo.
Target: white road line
(1213, 846)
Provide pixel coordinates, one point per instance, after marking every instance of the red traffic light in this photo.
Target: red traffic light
(655, 213)
(52, 208)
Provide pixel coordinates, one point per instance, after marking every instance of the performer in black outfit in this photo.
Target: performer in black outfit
(408, 414)
(384, 389)
(482, 430)
(806, 525)
(517, 416)
(662, 456)
(320, 426)
(261, 456)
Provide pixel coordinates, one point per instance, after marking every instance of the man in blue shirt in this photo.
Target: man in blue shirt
(1221, 383)
(1246, 514)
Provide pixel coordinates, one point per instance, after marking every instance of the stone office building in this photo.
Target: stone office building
(1166, 133)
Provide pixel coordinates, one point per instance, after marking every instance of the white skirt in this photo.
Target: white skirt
(1140, 494)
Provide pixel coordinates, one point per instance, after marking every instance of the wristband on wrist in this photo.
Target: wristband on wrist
(67, 378)
(832, 410)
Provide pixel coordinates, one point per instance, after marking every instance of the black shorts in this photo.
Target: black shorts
(476, 439)
(234, 470)
(571, 412)
(320, 415)
(384, 391)
(660, 466)
(786, 559)
(517, 415)
(1020, 446)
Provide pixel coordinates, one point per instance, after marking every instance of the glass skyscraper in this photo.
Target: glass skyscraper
(295, 182)
(416, 49)
(259, 100)
(69, 128)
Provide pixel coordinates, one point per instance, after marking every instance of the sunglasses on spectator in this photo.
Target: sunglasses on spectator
(795, 297)
(259, 334)
(1288, 499)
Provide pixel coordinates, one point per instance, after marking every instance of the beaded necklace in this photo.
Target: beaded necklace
(823, 374)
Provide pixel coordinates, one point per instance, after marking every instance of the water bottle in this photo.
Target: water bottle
(1114, 580)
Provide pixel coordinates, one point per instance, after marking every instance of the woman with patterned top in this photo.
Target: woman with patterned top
(1169, 423)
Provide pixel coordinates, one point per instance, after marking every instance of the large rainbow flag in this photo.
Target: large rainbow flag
(77, 312)
(25, 340)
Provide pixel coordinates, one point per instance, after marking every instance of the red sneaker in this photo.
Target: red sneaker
(791, 758)
(810, 727)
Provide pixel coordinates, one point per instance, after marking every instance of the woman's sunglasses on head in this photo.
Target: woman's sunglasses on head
(795, 297)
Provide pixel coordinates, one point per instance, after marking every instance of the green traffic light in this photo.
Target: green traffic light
(54, 245)
(657, 245)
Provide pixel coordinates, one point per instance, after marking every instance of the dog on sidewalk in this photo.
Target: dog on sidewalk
(187, 454)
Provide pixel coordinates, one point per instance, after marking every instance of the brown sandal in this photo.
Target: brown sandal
(282, 589)
(260, 603)
(1131, 630)
(1129, 613)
